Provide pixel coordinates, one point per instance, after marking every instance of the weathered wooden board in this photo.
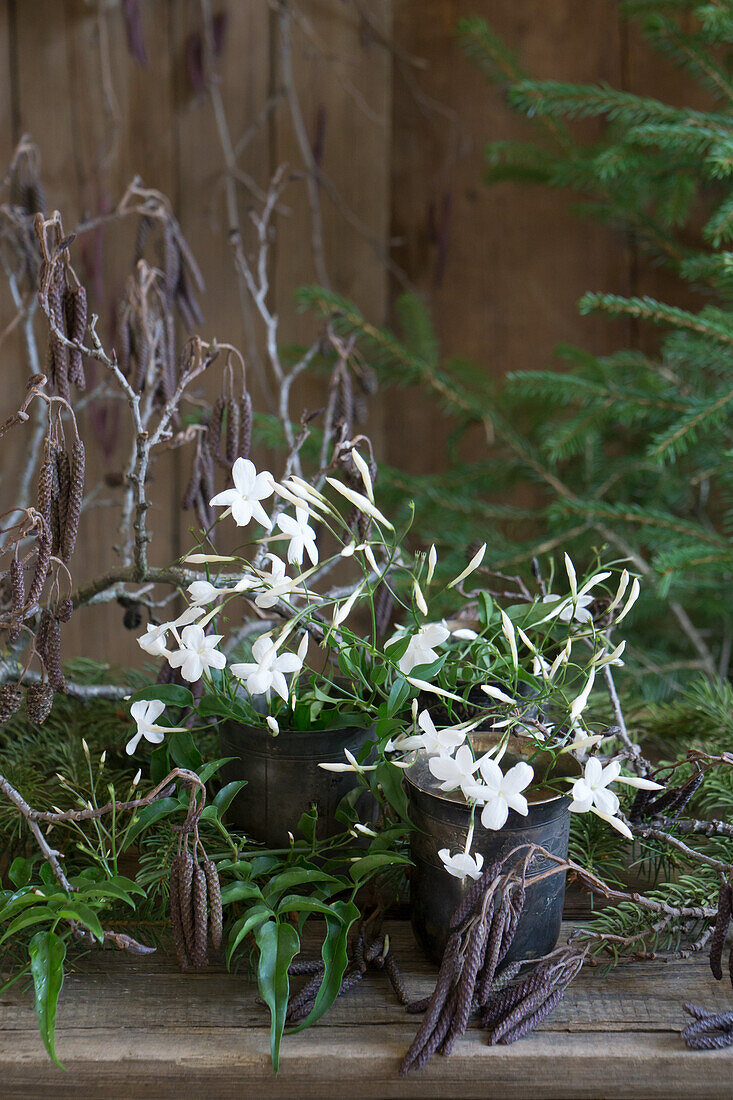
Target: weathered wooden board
(138, 1027)
(398, 118)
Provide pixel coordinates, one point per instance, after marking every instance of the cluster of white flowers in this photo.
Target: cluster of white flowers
(481, 780)
(186, 645)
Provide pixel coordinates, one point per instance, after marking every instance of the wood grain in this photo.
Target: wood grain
(176, 1034)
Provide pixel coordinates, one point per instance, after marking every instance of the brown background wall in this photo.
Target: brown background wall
(402, 118)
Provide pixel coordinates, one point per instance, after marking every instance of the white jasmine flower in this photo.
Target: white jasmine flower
(153, 641)
(433, 741)
(423, 685)
(633, 597)
(267, 671)
(622, 586)
(352, 766)
(613, 658)
(277, 583)
(198, 653)
(464, 634)
(419, 598)
(500, 793)
(302, 537)
(144, 715)
(432, 562)
(580, 702)
(498, 694)
(474, 563)
(342, 611)
(348, 550)
(590, 792)
(360, 501)
(366, 476)
(244, 498)
(462, 864)
(571, 611)
(203, 559)
(272, 723)
(570, 570)
(421, 647)
(455, 772)
(202, 592)
(507, 629)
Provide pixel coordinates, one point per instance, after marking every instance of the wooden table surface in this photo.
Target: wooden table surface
(136, 1027)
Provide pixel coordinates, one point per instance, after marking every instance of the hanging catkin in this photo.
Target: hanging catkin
(38, 702)
(17, 599)
(58, 355)
(245, 424)
(11, 699)
(76, 499)
(215, 905)
(179, 938)
(200, 917)
(232, 431)
(75, 306)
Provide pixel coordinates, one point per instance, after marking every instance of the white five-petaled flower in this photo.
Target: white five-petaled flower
(302, 536)
(198, 653)
(144, 715)
(500, 792)
(202, 592)
(462, 864)
(153, 641)
(244, 498)
(278, 584)
(352, 766)
(421, 647)
(577, 611)
(454, 772)
(434, 742)
(590, 792)
(266, 672)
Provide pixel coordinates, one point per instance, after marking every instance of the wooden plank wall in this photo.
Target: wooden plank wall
(401, 118)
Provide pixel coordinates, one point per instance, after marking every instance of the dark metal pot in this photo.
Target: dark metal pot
(442, 820)
(284, 780)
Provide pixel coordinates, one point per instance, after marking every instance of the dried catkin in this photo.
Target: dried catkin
(214, 432)
(64, 609)
(17, 599)
(245, 425)
(11, 698)
(721, 930)
(76, 500)
(232, 431)
(38, 702)
(43, 561)
(185, 894)
(179, 939)
(46, 477)
(194, 482)
(200, 917)
(58, 349)
(63, 480)
(215, 906)
(465, 990)
(171, 262)
(76, 326)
